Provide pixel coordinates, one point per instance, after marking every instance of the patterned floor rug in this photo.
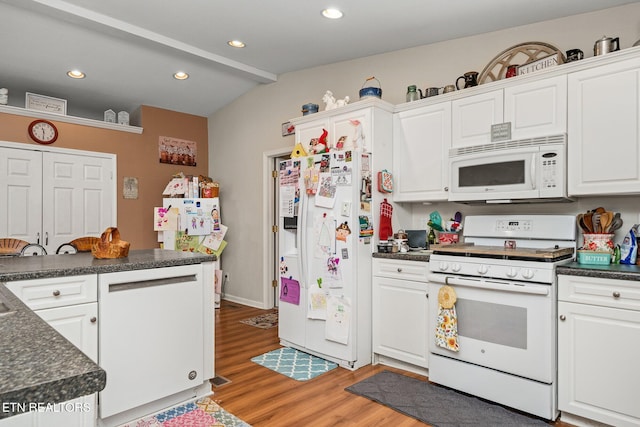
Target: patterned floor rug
(264, 321)
(198, 413)
(294, 363)
(437, 405)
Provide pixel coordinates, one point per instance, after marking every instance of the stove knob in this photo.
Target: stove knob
(456, 267)
(443, 266)
(528, 273)
(511, 272)
(483, 269)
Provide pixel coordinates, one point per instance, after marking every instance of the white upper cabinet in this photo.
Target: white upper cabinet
(421, 142)
(537, 108)
(604, 123)
(473, 116)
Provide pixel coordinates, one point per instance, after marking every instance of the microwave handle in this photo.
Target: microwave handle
(534, 157)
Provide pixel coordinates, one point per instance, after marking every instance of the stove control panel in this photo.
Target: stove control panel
(513, 225)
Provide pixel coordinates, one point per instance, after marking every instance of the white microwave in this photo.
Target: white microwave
(526, 170)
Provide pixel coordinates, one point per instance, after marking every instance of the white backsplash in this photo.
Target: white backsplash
(628, 206)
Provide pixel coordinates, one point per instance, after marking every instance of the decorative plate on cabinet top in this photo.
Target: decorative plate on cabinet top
(519, 54)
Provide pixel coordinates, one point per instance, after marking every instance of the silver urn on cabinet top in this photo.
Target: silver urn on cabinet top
(606, 45)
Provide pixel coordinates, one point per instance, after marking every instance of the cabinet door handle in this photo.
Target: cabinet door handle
(616, 294)
(93, 319)
(46, 238)
(56, 293)
(446, 188)
(563, 317)
(399, 270)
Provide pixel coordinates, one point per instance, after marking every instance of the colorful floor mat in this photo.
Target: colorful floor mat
(199, 413)
(294, 363)
(264, 321)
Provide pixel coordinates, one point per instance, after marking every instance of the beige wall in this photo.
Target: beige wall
(241, 133)
(137, 156)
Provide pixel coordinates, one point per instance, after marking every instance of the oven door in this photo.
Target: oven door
(492, 175)
(502, 325)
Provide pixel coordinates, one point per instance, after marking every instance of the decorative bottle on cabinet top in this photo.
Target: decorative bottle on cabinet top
(412, 95)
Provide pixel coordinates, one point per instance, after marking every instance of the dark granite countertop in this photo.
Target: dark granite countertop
(37, 364)
(422, 256)
(36, 267)
(611, 271)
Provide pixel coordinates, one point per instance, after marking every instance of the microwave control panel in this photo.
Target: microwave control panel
(550, 164)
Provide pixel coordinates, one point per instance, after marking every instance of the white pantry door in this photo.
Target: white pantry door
(77, 197)
(20, 194)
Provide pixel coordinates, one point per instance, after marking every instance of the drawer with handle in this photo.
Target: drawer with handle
(599, 291)
(401, 269)
(56, 291)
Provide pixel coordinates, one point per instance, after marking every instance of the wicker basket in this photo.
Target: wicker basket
(84, 244)
(110, 245)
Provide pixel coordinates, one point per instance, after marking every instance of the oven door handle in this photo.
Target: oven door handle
(489, 284)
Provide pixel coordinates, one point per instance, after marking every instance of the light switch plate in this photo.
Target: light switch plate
(346, 209)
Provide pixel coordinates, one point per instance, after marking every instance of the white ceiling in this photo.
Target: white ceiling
(130, 49)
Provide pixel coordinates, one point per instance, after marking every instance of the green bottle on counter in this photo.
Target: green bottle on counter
(432, 237)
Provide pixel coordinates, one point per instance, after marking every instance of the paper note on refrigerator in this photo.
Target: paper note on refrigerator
(326, 196)
(324, 229)
(317, 308)
(165, 218)
(290, 290)
(338, 319)
(287, 201)
(214, 239)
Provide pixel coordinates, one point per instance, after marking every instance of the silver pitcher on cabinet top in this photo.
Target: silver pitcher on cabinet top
(606, 45)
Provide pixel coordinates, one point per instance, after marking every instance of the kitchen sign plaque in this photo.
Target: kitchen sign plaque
(33, 101)
(541, 64)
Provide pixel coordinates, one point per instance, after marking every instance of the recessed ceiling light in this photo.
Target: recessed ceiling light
(332, 13)
(236, 43)
(76, 74)
(181, 75)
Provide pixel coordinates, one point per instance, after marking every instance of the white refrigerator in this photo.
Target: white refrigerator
(325, 240)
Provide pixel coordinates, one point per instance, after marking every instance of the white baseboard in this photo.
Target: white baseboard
(244, 301)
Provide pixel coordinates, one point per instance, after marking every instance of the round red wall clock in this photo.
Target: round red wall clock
(43, 131)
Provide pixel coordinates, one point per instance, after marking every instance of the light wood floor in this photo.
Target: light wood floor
(264, 398)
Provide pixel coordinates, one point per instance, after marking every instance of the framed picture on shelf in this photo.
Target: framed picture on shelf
(33, 101)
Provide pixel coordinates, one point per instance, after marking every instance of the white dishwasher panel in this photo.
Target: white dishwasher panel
(151, 335)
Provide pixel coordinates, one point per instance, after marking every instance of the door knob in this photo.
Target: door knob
(93, 319)
(563, 317)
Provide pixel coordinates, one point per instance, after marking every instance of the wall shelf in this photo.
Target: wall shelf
(68, 119)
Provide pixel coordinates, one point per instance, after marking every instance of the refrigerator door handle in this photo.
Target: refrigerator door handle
(300, 241)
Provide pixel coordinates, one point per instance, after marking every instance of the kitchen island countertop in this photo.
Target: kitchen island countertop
(37, 267)
(38, 366)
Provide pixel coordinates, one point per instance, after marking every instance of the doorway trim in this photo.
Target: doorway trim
(268, 236)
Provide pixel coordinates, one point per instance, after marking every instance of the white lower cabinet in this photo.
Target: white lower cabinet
(69, 305)
(400, 312)
(599, 349)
